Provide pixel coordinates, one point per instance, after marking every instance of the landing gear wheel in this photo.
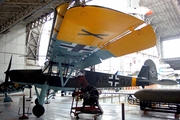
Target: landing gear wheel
(130, 99)
(36, 101)
(38, 110)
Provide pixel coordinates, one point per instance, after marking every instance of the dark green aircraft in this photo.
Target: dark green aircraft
(49, 78)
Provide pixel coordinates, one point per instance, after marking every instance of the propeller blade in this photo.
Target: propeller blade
(9, 67)
(7, 75)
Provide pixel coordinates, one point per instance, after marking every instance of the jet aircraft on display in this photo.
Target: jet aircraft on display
(82, 36)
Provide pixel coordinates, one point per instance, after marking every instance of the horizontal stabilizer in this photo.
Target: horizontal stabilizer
(165, 82)
(160, 82)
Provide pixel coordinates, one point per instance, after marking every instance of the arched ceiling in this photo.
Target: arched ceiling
(166, 23)
(165, 18)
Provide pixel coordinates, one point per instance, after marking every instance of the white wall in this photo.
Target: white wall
(12, 43)
(125, 64)
(171, 48)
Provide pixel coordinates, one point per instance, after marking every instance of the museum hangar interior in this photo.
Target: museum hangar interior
(22, 26)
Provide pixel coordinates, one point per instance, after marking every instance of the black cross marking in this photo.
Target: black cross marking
(76, 47)
(153, 72)
(113, 80)
(89, 33)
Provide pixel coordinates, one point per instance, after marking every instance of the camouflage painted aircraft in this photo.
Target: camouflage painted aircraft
(83, 35)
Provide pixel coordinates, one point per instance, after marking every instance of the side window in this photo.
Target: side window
(55, 70)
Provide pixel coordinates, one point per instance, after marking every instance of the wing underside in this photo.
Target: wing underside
(82, 36)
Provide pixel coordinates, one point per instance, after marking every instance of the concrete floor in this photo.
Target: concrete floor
(59, 109)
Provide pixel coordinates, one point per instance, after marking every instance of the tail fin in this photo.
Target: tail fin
(148, 73)
(148, 70)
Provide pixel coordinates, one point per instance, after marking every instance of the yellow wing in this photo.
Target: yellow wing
(96, 26)
(133, 42)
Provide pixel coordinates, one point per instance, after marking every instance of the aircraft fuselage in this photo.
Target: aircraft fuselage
(99, 80)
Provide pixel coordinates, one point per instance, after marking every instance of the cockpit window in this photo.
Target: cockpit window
(66, 71)
(54, 70)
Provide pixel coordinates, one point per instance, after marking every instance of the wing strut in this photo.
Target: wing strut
(60, 72)
(63, 83)
(72, 70)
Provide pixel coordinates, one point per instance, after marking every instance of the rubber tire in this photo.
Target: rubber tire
(38, 110)
(130, 99)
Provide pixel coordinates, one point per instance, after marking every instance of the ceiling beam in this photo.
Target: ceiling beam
(24, 14)
(24, 3)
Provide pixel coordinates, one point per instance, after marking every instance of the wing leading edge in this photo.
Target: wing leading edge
(82, 36)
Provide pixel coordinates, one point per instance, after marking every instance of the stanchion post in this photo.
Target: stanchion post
(23, 116)
(123, 115)
(30, 94)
